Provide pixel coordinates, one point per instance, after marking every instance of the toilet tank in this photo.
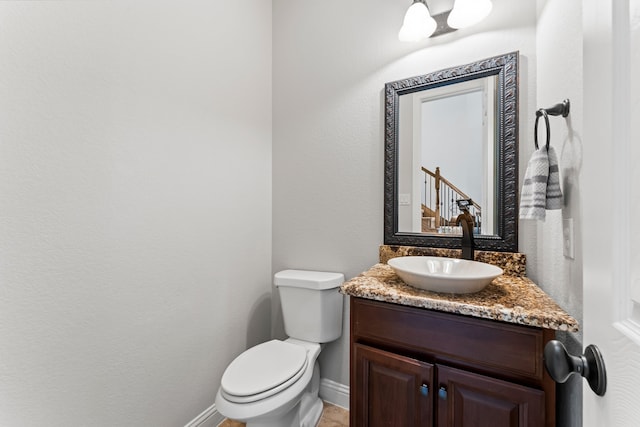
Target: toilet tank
(311, 304)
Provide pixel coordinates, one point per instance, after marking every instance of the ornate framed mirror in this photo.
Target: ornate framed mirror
(452, 135)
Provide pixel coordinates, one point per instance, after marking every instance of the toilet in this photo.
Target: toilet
(276, 383)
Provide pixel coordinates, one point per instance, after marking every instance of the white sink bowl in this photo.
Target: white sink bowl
(448, 275)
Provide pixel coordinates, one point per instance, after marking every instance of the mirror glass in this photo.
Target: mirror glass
(452, 135)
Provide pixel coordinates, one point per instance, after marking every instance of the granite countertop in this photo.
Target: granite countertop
(509, 298)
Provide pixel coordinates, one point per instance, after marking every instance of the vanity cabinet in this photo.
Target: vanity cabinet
(419, 367)
(393, 390)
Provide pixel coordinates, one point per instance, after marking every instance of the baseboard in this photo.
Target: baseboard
(210, 417)
(335, 393)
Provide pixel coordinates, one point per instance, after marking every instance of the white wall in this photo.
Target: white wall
(135, 208)
(560, 76)
(559, 69)
(455, 139)
(328, 123)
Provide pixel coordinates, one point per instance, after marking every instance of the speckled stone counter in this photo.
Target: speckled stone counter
(509, 298)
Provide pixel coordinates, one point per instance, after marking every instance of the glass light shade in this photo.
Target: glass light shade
(468, 12)
(417, 24)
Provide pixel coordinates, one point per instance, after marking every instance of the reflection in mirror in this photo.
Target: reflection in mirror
(451, 135)
(446, 150)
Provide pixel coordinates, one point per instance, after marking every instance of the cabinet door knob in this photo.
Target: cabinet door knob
(442, 393)
(424, 390)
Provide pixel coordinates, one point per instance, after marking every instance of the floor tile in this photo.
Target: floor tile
(332, 416)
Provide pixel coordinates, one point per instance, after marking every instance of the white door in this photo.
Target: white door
(610, 191)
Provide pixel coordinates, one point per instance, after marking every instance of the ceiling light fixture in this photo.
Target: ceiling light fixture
(466, 13)
(418, 23)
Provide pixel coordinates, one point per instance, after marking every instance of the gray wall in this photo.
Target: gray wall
(559, 276)
(328, 140)
(135, 173)
(328, 124)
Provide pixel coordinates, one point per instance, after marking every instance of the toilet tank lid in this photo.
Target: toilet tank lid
(318, 280)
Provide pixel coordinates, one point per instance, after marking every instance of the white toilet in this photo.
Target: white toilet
(276, 383)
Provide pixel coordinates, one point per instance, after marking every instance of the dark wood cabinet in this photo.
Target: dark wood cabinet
(395, 391)
(472, 400)
(418, 367)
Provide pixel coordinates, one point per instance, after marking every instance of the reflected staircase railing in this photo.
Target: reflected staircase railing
(439, 207)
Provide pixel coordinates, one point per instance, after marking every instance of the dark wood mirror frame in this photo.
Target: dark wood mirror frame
(505, 67)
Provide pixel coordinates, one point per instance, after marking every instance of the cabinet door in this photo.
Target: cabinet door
(471, 400)
(391, 390)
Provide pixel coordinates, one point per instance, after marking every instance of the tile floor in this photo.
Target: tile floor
(332, 416)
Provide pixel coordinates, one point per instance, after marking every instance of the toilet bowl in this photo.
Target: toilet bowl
(276, 383)
(277, 405)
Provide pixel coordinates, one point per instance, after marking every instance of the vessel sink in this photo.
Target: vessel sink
(448, 275)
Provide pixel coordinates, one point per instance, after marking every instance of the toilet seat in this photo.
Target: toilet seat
(263, 371)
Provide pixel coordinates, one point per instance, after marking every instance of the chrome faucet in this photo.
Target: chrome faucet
(466, 221)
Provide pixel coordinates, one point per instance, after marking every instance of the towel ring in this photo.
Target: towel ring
(542, 112)
(561, 109)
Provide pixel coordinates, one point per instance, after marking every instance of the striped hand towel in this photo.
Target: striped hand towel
(541, 188)
(534, 188)
(554, 192)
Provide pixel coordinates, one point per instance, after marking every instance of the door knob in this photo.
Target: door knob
(561, 365)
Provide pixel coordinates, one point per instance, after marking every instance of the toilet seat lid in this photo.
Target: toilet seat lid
(263, 367)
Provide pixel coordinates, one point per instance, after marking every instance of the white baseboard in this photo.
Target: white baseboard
(335, 393)
(210, 417)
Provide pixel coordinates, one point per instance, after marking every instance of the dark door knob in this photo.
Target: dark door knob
(561, 365)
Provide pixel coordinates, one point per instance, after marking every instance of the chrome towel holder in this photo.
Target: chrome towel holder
(561, 109)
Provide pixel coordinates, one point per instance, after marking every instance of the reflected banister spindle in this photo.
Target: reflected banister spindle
(426, 189)
(437, 187)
